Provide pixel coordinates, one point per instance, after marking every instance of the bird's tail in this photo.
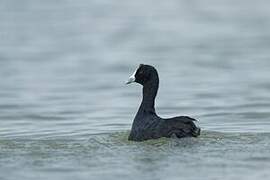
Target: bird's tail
(196, 131)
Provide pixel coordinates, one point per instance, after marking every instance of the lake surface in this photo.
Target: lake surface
(65, 112)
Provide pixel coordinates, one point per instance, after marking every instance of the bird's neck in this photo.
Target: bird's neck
(150, 90)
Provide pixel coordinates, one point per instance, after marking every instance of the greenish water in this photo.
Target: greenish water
(65, 112)
(213, 155)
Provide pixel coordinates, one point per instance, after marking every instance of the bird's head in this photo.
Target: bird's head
(143, 74)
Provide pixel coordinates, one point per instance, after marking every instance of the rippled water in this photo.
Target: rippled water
(65, 112)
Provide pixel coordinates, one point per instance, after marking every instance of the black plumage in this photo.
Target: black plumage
(147, 124)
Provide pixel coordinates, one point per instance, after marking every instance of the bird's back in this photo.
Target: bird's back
(152, 127)
(181, 126)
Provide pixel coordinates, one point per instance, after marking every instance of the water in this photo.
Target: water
(65, 112)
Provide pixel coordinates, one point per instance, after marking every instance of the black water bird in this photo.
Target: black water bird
(147, 124)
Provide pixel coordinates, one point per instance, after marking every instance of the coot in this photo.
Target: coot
(147, 124)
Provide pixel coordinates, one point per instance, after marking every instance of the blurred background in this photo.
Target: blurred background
(63, 65)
